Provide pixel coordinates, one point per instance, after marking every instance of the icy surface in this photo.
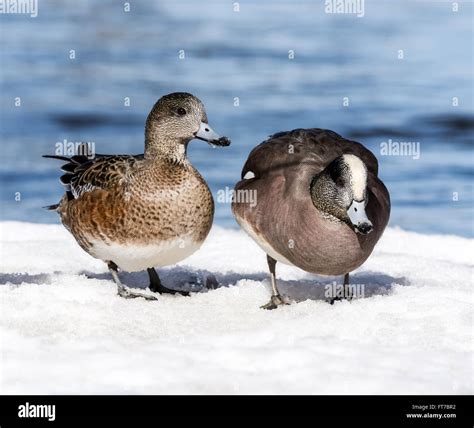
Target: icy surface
(64, 329)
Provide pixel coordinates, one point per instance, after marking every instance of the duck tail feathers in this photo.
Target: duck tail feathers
(53, 207)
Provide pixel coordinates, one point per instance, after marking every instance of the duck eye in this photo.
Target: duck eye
(181, 111)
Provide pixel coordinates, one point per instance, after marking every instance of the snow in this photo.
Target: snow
(64, 329)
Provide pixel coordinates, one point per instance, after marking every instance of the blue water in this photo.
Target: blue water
(244, 54)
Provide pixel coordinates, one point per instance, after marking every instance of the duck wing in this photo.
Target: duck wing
(83, 174)
(313, 147)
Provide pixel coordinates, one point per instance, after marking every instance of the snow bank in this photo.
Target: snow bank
(64, 329)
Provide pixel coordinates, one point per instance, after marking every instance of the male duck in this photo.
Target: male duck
(320, 205)
(137, 212)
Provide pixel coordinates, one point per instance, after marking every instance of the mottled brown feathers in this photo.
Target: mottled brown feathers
(145, 210)
(128, 200)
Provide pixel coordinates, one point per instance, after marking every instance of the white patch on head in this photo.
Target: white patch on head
(358, 173)
(135, 257)
(248, 175)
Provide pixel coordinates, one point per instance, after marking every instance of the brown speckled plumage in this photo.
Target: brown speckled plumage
(139, 201)
(145, 201)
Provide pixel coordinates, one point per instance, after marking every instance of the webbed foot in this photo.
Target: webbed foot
(275, 301)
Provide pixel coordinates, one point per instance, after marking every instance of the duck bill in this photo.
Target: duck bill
(206, 133)
(358, 218)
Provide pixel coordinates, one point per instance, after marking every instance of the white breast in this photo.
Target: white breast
(136, 257)
(262, 242)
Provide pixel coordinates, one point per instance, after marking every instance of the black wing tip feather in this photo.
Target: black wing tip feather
(65, 179)
(76, 159)
(63, 158)
(53, 207)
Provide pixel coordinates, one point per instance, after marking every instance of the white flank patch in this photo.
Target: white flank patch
(133, 258)
(358, 172)
(262, 243)
(248, 175)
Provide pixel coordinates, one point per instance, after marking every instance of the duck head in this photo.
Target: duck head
(173, 122)
(341, 190)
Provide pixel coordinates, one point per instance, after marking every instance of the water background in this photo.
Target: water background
(244, 54)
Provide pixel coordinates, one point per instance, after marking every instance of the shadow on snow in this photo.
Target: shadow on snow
(185, 279)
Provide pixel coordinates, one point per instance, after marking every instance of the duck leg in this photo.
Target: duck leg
(277, 299)
(157, 287)
(347, 292)
(123, 290)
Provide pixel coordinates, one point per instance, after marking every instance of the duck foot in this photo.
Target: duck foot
(211, 282)
(128, 293)
(164, 290)
(157, 287)
(275, 301)
(124, 291)
(336, 299)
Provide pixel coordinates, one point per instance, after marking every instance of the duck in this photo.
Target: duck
(317, 204)
(138, 212)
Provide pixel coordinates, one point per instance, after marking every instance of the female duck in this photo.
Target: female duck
(320, 205)
(137, 212)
